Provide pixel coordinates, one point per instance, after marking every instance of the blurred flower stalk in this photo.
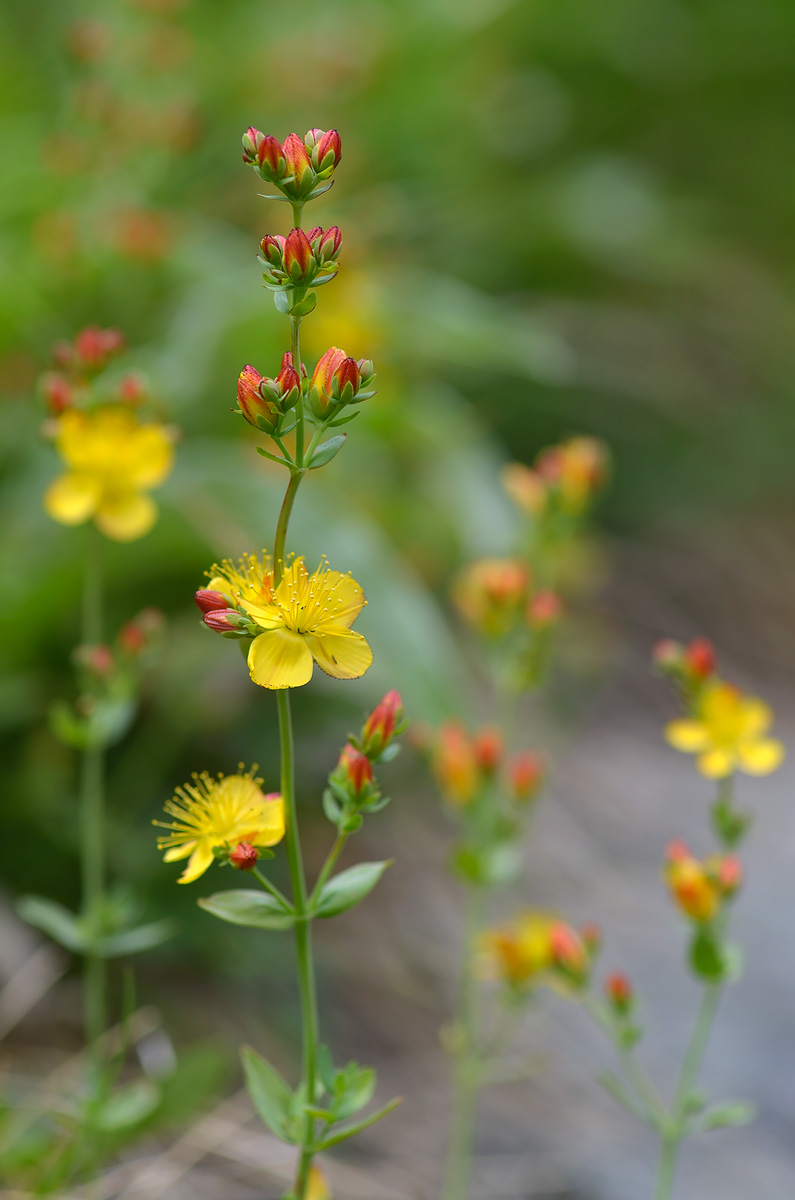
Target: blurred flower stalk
(728, 731)
(514, 607)
(288, 618)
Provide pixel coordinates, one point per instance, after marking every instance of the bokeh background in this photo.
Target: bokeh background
(558, 218)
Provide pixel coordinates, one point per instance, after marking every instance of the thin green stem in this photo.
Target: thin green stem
(666, 1168)
(283, 522)
(272, 888)
(466, 1081)
(645, 1091)
(92, 819)
(295, 350)
(303, 941)
(316, 436)
(328, 866)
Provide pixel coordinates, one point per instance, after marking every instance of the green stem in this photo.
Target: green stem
(272, 888)
(92, 819)
(636, 1077)
(283, 522)
(328, 866)
(466, 1080)
(295, 350)
(303, 940)
(687, 1081)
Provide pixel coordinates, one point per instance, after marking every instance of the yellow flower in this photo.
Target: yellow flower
(218, 812)
(727, 733)
(523, 950)
(113, 461)
(304, 619)
(317, 1186)
(490, 592)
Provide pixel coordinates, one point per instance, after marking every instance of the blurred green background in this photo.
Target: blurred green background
(558, 217)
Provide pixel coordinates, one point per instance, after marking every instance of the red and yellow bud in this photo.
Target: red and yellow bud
(619, 992)
(258, 411)
(208, 600)
(223, 620)
(380, 726)
(700, 658)
(244, 857)
(526, 772)
(488, 747)
(692, 884)
(355, 769)
(345, 381)
(575, 469)
(544, 610)
(525, 487)
(329, 150)
(321, 397)
(329, 246)
(454, 764)
(298, 259)
(57, 392)
(491, 592)
(272, 248)
(299, 165)
(270, 158)
(729, 874)
(568, 952)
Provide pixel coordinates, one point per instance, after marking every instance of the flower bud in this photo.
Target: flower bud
(729, 874)
(317, 1187)
(298, 259)
(312, 137)
(354, 769)
(619, 992)
(568, 951)
(692, 885)
(700, 658)
(224, 620)
(272, 248)
(270, 158)
(209, 600)
(321, 399)
(94, 347)
(525, 487)
(57, 392)
(591, 934)
(491, 593)
(299, 165)
(366, 370)
(96, 659)
(525, 775)
(133, 389)
(488, 747)
(132, 638)
(346, 381)
(289, 386)
(244, 857)
(258, 411)
(544, 610)
(329, 150)
(251, 141)
(668, 655)
(329, 244)
(454, 764)
(379, 728)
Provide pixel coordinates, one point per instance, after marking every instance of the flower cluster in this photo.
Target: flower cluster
(538, 948)
(301, 168)
(698, 887)
(114, 457)
(464, 765)
(263, 401)
(352, 787)
(301, 257)
(564, 479)
(290, 625)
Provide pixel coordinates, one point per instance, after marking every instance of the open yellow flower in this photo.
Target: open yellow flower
(522, 950)
(727, 733)
(304, 619)
(218, 812)
(113, 460)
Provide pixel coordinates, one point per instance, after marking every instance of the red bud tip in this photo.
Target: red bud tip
(257, 411)
(730, 874)
(210, 601)
(379, 728)
(132, 638)
(297, 254)
(270, 157)
(544, 609)
(244, 857)
(223, 620)
(488, 747)
(567, 949)
(525, 775)
(98, 659)
(132, 389)
(677, 851)
(251, 140)
(619, 991)
(667, 654)
(700, 658)
(296, 155)
(329, 150)
(57, 392)
(95, 347)
(356, 768)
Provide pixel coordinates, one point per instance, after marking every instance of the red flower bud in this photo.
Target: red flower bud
(329, 150)
(288, 382)
(488, 747)
(251, 140)
(700, 658)
(677, 851)
(330, 243)
(568, 952)
(346, 380)
(667, 655)
(312, 137)
(223, 620)
(544, 609)
(57, 392)
(619, 991)
(320, 389)
(244, 857)
(272, 247)
(97, 659)
(525, 775)
(297, 255)
(287, 361)
(355, 768)
(210, 601)
(379, 728)
(95, 347)
(132, 638)
(270, 157)
(132, 389)
(257, 411)
(730, 874)
(298, 162)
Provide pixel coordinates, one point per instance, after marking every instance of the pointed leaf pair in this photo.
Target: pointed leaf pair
(270, 1094)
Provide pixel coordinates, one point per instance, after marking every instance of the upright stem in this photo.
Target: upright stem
(283, 522)
(466, 1080)
(303, 940)
(92, 817)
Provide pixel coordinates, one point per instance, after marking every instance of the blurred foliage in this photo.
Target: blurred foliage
(557, 218)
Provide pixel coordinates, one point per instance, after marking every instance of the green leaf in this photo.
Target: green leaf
(728, 1115)
(326, 451)
(304, 307)
(55, 920)
(332, 807)
(127, 1108)
(241, 906)
(269, 1093)
(344, 420)
(349, 1131)
(706, 956)
(277, 458)
(345, 890)
(357, 1092)
(134, 941)
(67, 726)
(622, 1095)
(325, 1067)
(281, 300)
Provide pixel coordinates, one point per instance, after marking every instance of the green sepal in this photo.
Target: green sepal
(242, 906)
(344, 891)
(313, 195)
(349, 1131)
(326, 451)
(270, 1095)
(332, 807)
(352, 824)
(729, 825)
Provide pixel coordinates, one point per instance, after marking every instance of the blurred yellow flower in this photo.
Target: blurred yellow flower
(305, 619)
(113, 460)
(491, 592)
(317, 1187)
(727, 733)
(521, 951)
(218, 812)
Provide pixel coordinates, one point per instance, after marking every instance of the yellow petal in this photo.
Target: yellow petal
(178, 852)
(716, 764)
(72, 498)
(280, 658)
(150, 457)
(761, 756)
(125, 516)
(199, 861)
(757, 717)
(344, 597)
(341, 653)
(688, 736)
(271, 830)
(267, 616)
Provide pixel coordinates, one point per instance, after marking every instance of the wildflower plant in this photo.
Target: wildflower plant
(114, 456)
(728, 731)
(513, 606)
(288, 618)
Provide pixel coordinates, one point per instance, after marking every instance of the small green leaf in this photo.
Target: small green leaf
(281, 300)
(277, 458)
(326, 451)
(622, 1095)
(357, 1093)
(343, 420)
(127, 1108)
(134, 941)
(67, 726)
(349, 1131)
(53, 919)
(241, 906)
(332, 807)
(706, 956)
(269, 1093)
(304, 307)
(723, 1116)
(345, 890)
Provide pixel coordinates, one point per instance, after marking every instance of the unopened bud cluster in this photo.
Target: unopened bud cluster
(465, 765)
(537, 948)
(264, 401)
(76, 367)
(700, 888)
(564, 480)
(298, 167)
(352, 787)
(301, 258)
